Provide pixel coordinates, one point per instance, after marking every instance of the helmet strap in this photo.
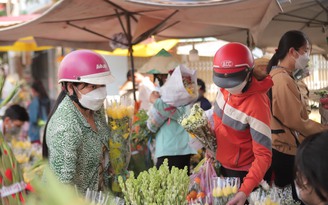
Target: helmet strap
(249, 80)
(74, 98)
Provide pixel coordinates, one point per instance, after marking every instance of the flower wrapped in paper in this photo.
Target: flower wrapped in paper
(197, 124)
(272, 195)
(179, 89)
(224, 189)
(119, 120)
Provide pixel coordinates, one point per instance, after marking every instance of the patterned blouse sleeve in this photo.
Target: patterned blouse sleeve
(63, 147)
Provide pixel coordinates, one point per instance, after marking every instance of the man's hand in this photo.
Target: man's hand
(238, 199)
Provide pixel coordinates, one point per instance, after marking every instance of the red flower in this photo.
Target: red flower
(13, 195)
(29, 187)
(9, 174)
(5, 151)
(21, 198)
(0, 180)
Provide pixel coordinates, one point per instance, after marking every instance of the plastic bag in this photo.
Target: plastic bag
(175, 93)
(205, 176)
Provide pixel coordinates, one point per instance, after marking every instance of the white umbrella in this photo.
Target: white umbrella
(309, 16)
(93, 23)
(106, 24)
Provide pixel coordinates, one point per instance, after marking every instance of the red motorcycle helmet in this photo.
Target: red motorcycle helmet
(84, 66)
(231, 65)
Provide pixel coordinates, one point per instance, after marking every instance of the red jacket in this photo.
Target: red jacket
(242, 128)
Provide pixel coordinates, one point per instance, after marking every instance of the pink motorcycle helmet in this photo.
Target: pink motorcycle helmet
(84, 66)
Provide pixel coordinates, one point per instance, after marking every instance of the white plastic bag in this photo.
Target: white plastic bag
(174, 92)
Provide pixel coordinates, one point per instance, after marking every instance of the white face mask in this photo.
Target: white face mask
(302, 61)
(94, 99)
(237, 89)
(297, 190)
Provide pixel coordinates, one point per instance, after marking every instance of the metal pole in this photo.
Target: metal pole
(129, 37)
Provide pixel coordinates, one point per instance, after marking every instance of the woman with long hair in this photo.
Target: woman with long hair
(290, 122)
(76, 134)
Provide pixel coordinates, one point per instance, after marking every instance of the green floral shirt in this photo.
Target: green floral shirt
(75, 150)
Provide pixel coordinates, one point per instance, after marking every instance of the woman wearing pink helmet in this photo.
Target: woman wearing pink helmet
(76, 132)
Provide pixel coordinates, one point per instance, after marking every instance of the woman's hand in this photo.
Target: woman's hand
(238, 199)
(154, 96)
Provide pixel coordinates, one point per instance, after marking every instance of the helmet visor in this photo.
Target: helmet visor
(229, 80)
(98, 79)
(95, 79)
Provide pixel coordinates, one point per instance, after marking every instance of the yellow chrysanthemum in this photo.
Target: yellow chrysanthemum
(126, 135)
(114, 145)
(114, 153)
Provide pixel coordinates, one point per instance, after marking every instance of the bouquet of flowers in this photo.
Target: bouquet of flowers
(22, 151)
(196, 123)
(272, 196)
(140, 157)
(323, 98)
(26, 154)
(119, 120)
(224, 189)
(34, 171)
(180, 88)
(156, 186)
(141, 132)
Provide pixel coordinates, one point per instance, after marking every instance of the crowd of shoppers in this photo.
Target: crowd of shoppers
(261, 120)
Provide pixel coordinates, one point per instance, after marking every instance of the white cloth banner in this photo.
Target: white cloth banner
(12, 189)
